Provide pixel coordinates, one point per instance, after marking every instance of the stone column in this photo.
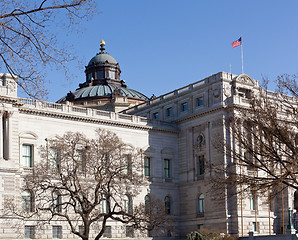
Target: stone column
(9, 126)
(1, 134)
(5, 135)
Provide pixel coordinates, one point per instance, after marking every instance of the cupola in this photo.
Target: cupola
(103, 88)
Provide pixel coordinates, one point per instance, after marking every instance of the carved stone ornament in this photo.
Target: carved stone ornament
(199, 144)
(11, 86)
(227, 90)
(245, 79)
(216, 92)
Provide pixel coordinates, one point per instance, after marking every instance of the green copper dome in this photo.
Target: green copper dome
(102, 58)
(103, 91)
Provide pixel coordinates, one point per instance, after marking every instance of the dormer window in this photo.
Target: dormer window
(100, 74)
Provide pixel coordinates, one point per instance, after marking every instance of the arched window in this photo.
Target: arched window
(147, 203)
(27, 201)
(127, 204)
(201, 203)
(168, 205)
(56, 201)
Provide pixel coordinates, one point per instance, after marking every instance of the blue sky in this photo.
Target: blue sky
(162, 45)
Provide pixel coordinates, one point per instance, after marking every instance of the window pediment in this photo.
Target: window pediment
(28, 135)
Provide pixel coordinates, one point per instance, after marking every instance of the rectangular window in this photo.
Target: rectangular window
(169, 112)
(200, 165)
(108, 232)
(30, 232)
(81, 229)
(127, 167)
(112, 75)
(256, 226)
(184, 107)
(104, 208)
(129, 231)
(89, 76)
(100, 74)
(155, 115)
(79, 161)
(57, 231)
(27, 155)
(200, 226)
(253, 201)
(200, 101)
(147, 162)
(53, 158)
(167, 168)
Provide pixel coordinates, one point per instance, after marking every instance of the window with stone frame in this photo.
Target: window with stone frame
(147, 204)
(79, 161)
(127, 168)
(127, 204)
(200, 165)
(108, 232)
(167, 168)
(147, 166)
(129, 231)
(56, 202)
(168, 207)
(27, 201)
(256, 226)
(184, 107)
(53, 158)
(57, 232)
(201, 204)
(29, 232)
(200, 101)
(104, 208)
(169, 111)
(27, 155)
(253, 201)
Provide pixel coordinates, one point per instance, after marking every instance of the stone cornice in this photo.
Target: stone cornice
(199, 114)
(10, 100)
(90, 119)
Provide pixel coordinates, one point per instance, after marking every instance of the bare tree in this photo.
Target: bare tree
(87, 182)
(27, 43)
(262, 141)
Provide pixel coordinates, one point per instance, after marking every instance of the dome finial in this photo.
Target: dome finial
(102, 46)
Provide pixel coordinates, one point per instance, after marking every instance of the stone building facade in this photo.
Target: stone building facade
(176, 131)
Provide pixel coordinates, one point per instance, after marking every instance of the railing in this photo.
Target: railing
(183, 90)
(64, 108)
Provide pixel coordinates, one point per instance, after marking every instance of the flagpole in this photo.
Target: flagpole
(242, 54)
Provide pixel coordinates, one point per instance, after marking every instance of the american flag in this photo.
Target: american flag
(237, 43)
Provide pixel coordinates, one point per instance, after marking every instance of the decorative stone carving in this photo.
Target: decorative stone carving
(200, 143)
(227, 90)
(200, 128)
(245, 79)
(216, 92)
(11, 85)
